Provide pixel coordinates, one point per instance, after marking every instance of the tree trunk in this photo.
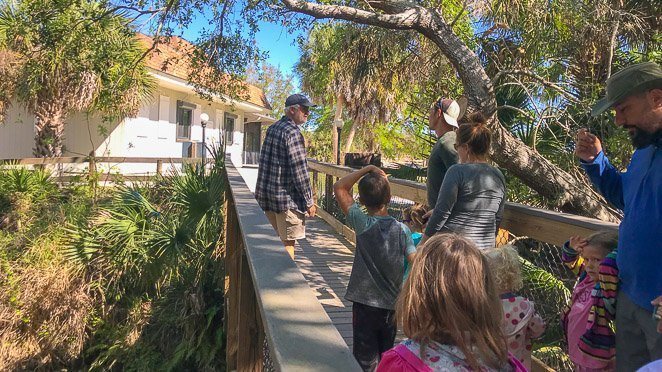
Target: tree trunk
(49, 132)
(549, 180)
(350, 136)
(334, 129)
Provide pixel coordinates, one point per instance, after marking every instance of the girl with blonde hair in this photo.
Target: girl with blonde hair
(449, 310)
(521, 323)
(414, 218)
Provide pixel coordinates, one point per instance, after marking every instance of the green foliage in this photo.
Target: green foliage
(28, 183)
(548, 287)
(157, 247)
(140, 273)
(550, 60)
(24, 194)
(373, 72)
(275, 85)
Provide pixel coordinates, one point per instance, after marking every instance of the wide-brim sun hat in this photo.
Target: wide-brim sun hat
(630, 80)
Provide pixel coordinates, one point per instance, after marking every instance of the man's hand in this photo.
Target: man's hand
(577, 243)
(312, 210)
(658, 315)
(588, 146)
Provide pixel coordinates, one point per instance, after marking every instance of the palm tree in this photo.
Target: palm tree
(59, 57)
(362, 69)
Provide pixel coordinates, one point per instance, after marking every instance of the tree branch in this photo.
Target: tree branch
(537, 78)
(407, 19)
(459, 14)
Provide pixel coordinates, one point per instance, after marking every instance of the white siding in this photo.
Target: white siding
(151, 134)
(16, 134)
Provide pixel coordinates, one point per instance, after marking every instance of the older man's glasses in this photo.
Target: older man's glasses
(304, 110)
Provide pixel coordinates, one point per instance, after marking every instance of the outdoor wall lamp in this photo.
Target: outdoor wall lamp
(204, 118)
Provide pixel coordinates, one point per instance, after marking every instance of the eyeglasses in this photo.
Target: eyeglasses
(439, 105)
(305, 110)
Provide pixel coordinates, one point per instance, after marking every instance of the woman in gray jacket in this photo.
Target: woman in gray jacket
(473, 193)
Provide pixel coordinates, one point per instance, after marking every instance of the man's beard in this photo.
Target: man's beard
(641, 139)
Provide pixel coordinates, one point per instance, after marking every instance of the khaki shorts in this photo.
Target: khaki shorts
(290, 225)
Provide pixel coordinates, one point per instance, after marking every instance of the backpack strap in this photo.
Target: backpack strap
(414, 361)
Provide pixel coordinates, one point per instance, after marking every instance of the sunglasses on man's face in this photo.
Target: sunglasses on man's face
(438, 104)
(305, 110)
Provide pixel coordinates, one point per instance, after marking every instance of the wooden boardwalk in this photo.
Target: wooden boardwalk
(325, 259)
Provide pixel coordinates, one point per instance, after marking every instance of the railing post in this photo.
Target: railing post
(315, 190)
(159, 167)
(328, 193)
(232, 262)
(250, 334)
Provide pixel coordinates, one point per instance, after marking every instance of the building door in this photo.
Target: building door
(252, 142)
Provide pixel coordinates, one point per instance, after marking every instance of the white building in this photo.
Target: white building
(169, 126)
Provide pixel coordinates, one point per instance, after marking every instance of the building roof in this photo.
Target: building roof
(172, 58)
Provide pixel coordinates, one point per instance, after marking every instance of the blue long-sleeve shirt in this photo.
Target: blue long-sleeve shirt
(638, 192)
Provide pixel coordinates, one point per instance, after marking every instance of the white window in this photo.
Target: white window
(184, 119)
(228, 128)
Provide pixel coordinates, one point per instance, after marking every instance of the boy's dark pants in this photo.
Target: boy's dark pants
(374, 333)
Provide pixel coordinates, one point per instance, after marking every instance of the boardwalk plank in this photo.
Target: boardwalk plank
(325, 261)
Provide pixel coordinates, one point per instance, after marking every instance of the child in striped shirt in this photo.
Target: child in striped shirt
(586, 322)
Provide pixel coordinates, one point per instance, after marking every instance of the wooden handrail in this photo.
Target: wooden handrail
(521, 220)
(269, 298)
(100, 159)
(68, 176)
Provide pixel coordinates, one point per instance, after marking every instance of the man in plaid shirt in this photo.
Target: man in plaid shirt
(283, 184)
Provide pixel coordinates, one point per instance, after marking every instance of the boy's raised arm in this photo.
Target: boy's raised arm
(343, 188)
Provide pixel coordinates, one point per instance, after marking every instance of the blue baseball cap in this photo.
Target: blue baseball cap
(298, 99)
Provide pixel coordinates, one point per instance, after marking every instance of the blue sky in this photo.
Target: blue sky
(273, 38)
(280, 44)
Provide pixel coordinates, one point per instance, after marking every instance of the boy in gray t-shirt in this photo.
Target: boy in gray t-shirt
(382, 245)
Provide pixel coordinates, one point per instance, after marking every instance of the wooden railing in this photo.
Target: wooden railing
(92, 169)
(267, 298)
(520, 220)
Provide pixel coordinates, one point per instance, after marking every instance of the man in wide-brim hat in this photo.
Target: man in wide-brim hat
(635, 95)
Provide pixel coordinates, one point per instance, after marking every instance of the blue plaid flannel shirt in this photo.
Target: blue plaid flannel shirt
(283, 182)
